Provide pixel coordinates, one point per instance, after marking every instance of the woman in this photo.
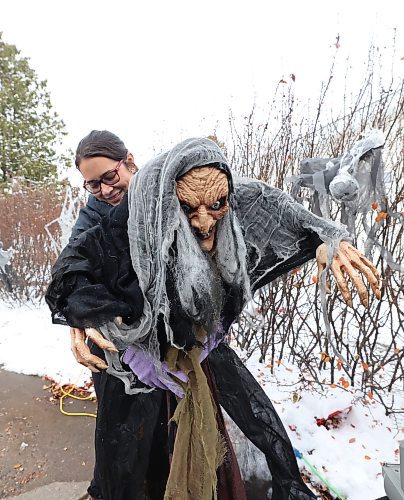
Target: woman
(107, 168)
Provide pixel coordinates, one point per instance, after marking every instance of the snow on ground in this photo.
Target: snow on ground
(349, 457)
(31, 345)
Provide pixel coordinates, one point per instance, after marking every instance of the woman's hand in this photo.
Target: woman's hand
(81, 351)
(347, 260)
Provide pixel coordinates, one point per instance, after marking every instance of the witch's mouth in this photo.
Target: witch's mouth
(203, 236)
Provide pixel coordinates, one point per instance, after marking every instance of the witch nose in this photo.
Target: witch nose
(204, 220)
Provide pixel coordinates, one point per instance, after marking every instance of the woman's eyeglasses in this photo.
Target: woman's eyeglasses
(109, 178)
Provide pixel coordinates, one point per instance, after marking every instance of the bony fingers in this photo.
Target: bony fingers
(370, 276)
(101, 342)
(78, 354)
(363, 293)
(86, 364)
(92, 368)
(342, 283)
(110, 347)
(361, 262)
(95, 365)
(101, 366)
(82, 350)
(321, 257)
(95, 361)
(346, 295)
(370, 265)
(106, 345)
(360, 287)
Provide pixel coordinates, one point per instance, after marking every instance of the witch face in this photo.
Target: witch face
(203, 193)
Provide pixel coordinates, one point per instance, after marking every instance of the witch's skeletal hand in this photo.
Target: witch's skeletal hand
(348, 261)
(81, 351)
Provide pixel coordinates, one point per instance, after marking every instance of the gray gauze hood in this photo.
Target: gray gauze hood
(154, 217)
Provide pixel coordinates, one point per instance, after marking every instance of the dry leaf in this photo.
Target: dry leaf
(375, 205)
(366, 457)
(344, 382)
(352, 440)
(325, 357)
(381, 216)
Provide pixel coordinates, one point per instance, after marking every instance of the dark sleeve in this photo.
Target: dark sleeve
(93, 280)
(271, 267)
(89, 216)
(280, 233)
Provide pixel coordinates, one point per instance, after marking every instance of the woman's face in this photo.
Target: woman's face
(92, 169)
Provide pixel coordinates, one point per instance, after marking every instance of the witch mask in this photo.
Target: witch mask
(203, 193)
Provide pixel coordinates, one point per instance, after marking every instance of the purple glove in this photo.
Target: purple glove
(208, 346)
(143, 366)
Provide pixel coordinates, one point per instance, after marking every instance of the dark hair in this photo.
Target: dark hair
(101, 143)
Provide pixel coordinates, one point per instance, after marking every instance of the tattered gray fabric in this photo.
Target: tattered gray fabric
(352, 179)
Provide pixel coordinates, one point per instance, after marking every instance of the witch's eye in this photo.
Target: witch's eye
(219, 203)
(185, 208)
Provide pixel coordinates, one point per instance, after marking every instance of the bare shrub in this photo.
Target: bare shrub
(284, 322)
(27, 207)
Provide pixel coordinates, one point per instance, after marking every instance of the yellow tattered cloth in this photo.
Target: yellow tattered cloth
(199, 448)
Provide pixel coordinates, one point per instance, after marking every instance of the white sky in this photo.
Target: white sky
(155, 72)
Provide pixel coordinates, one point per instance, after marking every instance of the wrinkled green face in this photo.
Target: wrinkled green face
(203, 193)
